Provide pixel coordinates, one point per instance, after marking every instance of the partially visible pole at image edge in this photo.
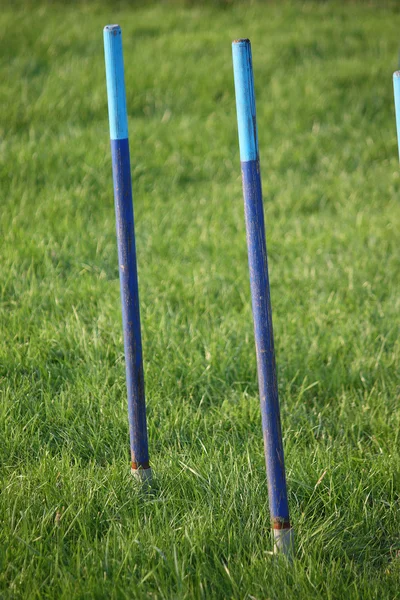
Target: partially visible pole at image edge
(260, 294)
(396, 86)
(126, 251)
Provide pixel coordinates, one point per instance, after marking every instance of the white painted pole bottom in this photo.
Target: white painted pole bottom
(142, 475)
(284, 542)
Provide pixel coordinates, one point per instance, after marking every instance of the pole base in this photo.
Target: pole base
(284, 542)
(141, 475)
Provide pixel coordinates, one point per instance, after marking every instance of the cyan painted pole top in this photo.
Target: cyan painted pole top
(115, 82)
(245, 99)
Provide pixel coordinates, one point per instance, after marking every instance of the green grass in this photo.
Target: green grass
(72, 524)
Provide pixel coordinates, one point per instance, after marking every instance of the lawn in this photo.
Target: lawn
(72, 523)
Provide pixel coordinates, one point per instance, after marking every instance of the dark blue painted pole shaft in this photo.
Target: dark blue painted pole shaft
(260, 294)
(396, 87)
(126, 250)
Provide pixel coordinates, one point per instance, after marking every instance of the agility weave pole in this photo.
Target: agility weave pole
(126, 251)
(396, 87)
(260, 294)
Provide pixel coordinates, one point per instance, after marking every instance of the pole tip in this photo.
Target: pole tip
(241, 41)
(396, 74)
(113, 29)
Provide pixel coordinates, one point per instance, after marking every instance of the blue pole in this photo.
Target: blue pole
(396, 85)
(260, 294)
(126, 250)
